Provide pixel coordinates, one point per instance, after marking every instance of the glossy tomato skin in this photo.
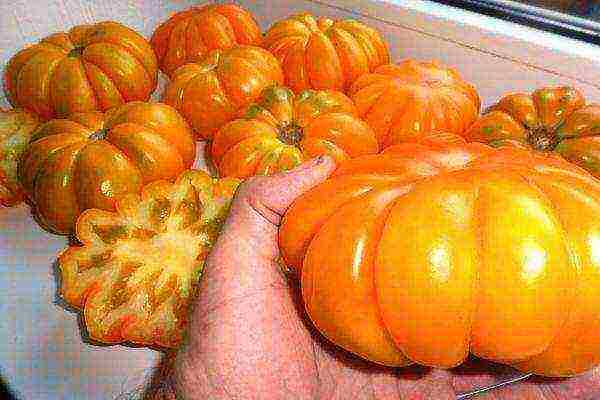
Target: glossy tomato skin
(404, 101)
(137, 267)
(90, 159)
(16, 127)
(91, 67)
(444, 250)
(550, 119)
(211, 92)
(281, 130)
(323, 54)
(190, 34)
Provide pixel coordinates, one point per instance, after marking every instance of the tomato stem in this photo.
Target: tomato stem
(99, 135)
(291, 134)
(76, 52)
(543, 139)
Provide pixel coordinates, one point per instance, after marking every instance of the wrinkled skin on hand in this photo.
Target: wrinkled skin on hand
(249, 339)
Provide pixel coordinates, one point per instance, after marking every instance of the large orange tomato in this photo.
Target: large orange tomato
(136, 271)
(189, 35)
(281, 130)
(91, 67)
(210, 93)
(89, 161)
(426, 255)
(551, 119)
(404, 100)
(321, 53)
(16, 127)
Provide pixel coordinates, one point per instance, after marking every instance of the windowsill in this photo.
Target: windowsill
(544, 50)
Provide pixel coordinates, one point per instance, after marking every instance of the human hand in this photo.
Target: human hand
(249, 338)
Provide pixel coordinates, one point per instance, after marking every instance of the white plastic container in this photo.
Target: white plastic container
(42, 353)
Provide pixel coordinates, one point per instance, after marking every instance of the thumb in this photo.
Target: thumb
(271, 196)
(245, 323)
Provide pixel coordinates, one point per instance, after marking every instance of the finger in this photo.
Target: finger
(585, 386)
(433, 384)
(477, 373)
(277, 192)
(244, 323)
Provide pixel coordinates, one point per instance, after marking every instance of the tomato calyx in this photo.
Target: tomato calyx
(76, 52)
(291, 134)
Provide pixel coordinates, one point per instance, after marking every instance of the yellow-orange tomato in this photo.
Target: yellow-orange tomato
(424, 255)
(405, 100)
(91, 67)
(320, 53)
(90, 161)
(16, 127)
(210, 93)
(551, 119)
(190, 34)
(137, 269)
(282, 130)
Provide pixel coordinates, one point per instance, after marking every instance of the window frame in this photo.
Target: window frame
(557, 22)
(433, 22)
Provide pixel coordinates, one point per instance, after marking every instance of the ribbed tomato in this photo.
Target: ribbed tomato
(210, 93)
(190, 34)
(282, 130)
(424, 255)
(16, 127)
(320, 53)
(551, 119)
(136, 271)
(89, 160)
(402, 101)
(91, 67)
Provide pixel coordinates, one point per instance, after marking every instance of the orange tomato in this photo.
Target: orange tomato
(189, 35)
(551, 119)
(90, 161)
(16, 127)
(403, 101)
(91, 67)
(210, 93)
(320, 53)
(136, 271)
(424, 254)
(282, 130)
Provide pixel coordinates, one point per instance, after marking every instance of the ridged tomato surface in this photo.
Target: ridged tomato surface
(16, 127)
(411, 98)
(550, 119)
(190, 34)
(90, 160)
(429, 252)
(320, 53)
(89, 68)
(211, 92)
(281, 130)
